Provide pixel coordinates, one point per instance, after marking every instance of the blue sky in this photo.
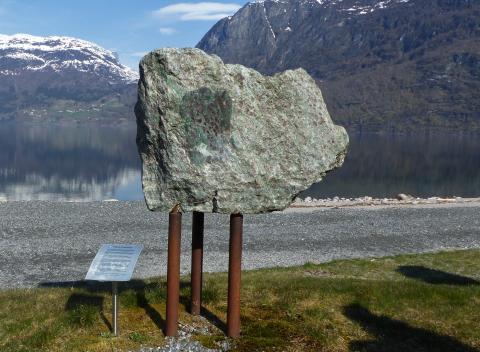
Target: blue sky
(130, 28)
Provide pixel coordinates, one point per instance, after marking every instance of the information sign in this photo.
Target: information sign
(114, 262)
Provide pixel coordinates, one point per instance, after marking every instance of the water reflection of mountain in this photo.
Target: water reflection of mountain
(90, 162)
(68, 162)
(383, 165)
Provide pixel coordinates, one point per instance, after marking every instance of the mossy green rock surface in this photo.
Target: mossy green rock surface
(224, 138)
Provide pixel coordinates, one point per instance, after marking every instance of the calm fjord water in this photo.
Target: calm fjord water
(91, 162)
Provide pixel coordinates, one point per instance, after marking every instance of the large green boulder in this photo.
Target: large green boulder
(224, 138)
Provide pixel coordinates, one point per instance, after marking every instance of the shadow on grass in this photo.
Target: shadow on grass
(83, 308)
(80, 301)
(204, 312)
(91, 286)
(433, 276)
(213, 319)
(140, 287)
(153, 314)
(397, 336)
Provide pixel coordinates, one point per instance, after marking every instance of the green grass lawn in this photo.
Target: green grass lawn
(427, 302)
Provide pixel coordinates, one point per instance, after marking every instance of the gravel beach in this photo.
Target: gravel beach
(45, 242)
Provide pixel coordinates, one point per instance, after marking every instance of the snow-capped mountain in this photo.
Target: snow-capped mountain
(55, 75)
(23, 52)
(381, 64)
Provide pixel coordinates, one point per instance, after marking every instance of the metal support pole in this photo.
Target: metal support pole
(197, 262)
(234, 275)
(173, 271)
(115, 308)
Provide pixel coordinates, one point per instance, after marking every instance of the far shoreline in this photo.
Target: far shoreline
(310, 205)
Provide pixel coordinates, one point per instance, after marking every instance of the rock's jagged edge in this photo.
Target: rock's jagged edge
(224, 138)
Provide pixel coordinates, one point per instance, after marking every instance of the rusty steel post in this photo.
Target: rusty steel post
(197, 262)
(173, 271)
(234, 275)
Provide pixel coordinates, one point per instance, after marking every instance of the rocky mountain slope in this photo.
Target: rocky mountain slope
(62, 77)
(382, 65)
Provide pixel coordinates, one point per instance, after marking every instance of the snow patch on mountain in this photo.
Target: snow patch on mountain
(359, 7)
(24, 52)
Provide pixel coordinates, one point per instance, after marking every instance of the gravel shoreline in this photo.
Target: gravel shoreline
(44, 243)
(400, 200)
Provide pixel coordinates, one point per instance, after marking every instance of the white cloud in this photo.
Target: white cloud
(200, 11)
(167, 30)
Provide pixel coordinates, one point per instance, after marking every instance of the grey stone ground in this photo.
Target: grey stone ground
(50, 241)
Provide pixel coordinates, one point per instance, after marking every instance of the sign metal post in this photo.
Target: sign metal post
(115, 263)
(115, 308)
